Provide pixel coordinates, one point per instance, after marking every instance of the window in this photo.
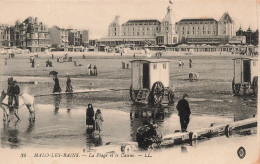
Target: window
(164, 65)
(155, 66)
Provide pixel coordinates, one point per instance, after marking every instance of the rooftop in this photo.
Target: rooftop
(151, 60)
(197, 19)
(143, 21)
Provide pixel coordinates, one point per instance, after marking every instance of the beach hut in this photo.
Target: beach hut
(150, 80)
(245, 74)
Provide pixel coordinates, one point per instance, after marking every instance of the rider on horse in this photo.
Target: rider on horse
(14, 92)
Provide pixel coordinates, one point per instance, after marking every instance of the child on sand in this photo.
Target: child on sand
(98, 120)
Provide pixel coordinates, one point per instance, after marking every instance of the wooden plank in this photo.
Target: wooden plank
(74, 92)
(81, 91)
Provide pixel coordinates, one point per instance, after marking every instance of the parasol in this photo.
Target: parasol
(53, 73)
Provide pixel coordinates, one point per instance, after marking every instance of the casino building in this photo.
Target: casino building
(142, 32)
(138, 33)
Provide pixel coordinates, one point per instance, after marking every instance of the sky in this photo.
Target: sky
(96, 15)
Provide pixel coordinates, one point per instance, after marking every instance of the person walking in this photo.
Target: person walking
(89, 70)
(33, 62)
(98, 120)
(184, 112)
(95, 70)
(69, 87)
(190, 63)
(180, 63)
(56, 84)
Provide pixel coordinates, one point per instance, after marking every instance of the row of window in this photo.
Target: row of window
(198, 32)
(202, 22)
(155, 66)
(131, 24)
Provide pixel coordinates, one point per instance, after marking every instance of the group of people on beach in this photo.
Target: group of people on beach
(57, 88)
(181, 63)
(92, 72)
(125, 65)
(97, 122)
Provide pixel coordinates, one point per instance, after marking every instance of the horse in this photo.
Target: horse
(193, 76)
(24, 99)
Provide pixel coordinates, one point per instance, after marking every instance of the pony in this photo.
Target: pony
(24, 99)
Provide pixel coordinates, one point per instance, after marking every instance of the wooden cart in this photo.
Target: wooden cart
(150, 81)
(245, 75)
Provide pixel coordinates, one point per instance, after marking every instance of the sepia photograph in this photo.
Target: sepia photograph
(129, 81)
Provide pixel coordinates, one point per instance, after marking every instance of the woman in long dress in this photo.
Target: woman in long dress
(56, 84)
(98, 120)
(69, 86)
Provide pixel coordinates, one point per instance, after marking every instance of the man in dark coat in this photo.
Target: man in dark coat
(14, 94)
(184, 112)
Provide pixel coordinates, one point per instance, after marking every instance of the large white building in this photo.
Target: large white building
(206, 31)
(167, 32)
(142, 32)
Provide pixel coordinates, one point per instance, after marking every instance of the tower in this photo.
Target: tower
(114, 27)
(168, 28)
(226, 26)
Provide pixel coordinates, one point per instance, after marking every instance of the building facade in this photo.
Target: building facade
(141, 32)
(205, 31)
(59, 36)
(251, 37)
(78, 37)
(30, 34)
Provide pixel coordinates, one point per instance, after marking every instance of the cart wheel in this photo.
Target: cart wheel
(170, 96)
(157, 92)
(235, 87)
(255, 85)
(133, 94)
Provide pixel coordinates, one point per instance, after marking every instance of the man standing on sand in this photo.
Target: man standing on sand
(184, 112)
